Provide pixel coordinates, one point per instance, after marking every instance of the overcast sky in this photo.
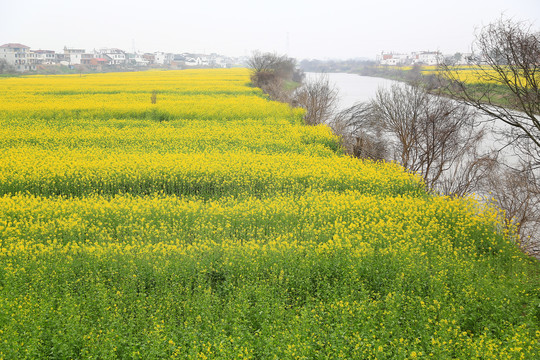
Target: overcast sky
(302, 28)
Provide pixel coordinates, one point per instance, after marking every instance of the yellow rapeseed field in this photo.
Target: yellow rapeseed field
(213, 224)
(482, 75)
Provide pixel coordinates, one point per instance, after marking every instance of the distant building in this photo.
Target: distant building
(178, 61)
(422, 57)
(17, 55)
(220, 62)
(73, 56)
(427, 58)
(115, 56)
(151, 58)
(140, 60)
(99, 61)
(86, 59)
(136, 59)
(193, 61)
(45, 57)
(32, 60)
(96, 63)
(394, 59)
(22, 58)
(196, 60)
(60, 58)
(163, 58)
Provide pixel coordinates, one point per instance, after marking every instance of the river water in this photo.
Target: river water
(353, 88)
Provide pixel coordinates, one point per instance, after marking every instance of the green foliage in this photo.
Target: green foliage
(226, 235)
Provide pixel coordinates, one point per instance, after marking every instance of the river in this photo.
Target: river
(354, 88)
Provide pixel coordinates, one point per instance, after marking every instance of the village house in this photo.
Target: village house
(97, 63)
(151, 58)
(60, 58)
(86, 58)
(73, 56)
(32, 59)
(422, 57)
(162, 58)
(196, 60)
(220, 62)
(178, 61)
(22, 58)
(45, 57)
(427, 58)
(115, 56)
(393, 59)
(136, 59)
(17, 55)
(190, 61)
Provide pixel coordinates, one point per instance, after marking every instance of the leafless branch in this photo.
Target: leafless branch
(505, 67)
(319, 97)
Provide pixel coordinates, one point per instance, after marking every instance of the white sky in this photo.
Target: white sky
(303, 28)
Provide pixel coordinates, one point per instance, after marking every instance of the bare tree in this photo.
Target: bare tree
(434, 137)
(319, 97)
(264, 62)
(503, 82)
(469, 175)
(431, 134)
(504, 76)
(517, 193)
(360, 137)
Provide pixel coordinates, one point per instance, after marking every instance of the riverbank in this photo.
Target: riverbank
(429, 77)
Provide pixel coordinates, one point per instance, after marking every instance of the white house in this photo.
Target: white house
(163, 58)
(45, 57)
(191, 61)
(17, 55)
(422, 57)
(115, 56)
(220, 61)
(205, 61)
(427, 57)
(136, 59)
(73, 56)
(32, 59)
(394, 59)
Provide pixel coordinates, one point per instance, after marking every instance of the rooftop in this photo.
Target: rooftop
(14, 45)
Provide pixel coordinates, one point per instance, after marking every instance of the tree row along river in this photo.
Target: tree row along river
(353, 89)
